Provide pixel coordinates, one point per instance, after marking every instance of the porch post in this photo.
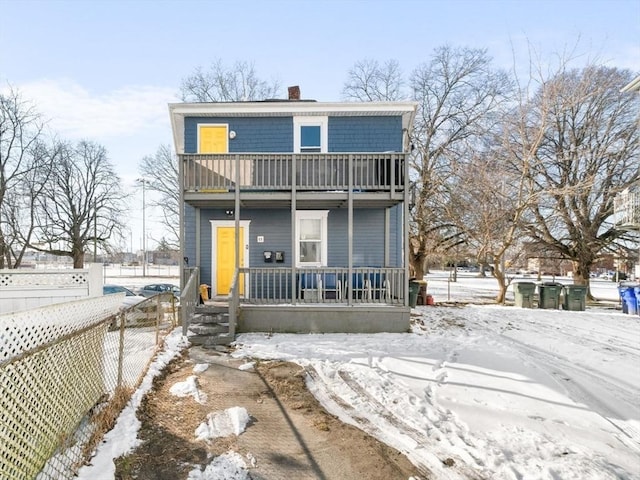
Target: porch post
(405, 223)
(181, 218)
(294, 295)
(236, 211)
(349, 279)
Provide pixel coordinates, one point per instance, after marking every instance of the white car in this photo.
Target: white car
(130, 298)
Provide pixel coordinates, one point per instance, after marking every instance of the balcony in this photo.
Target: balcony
(218, 174)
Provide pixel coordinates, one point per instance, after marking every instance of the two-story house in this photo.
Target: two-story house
(296, 211)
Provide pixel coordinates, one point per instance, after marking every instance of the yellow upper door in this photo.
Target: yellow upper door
(213, 139)
(226, 259)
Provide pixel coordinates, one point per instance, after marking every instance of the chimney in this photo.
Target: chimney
(294, 93)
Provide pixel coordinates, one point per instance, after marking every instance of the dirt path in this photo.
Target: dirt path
(290, 435)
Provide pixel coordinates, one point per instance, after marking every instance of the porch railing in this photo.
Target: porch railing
(326, 285)
(281, 171)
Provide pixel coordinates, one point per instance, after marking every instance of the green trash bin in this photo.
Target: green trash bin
(549, 295)
(575, 298)
(414, 288)
(524, 293)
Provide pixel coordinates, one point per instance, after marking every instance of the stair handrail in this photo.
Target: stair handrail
(189, 297)
(234, 304)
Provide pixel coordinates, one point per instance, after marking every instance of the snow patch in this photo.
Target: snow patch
(200, 367)
(231, 421)
(229, 466)
(189, 388)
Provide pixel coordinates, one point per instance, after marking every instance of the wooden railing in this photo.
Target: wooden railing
(189, 296)
(283, 171)
(360, 285)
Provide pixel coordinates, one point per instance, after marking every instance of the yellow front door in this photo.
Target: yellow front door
(213, 139)
(226, 258)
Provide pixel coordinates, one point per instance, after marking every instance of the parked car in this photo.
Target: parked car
(156, 288)
(130, 298)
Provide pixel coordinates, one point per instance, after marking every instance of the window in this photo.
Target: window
(309, 134)
(310, 138)
(311, 238)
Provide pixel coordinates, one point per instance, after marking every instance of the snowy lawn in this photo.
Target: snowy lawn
(479, 391)
(506, 393)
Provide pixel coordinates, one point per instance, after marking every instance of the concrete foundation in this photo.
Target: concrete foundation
(323, 319)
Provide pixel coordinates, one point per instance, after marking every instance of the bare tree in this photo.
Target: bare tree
(81, 203)
(457, 93)
(370, 81)
(227, 84)
(21, 154)
(588, 155)
(161, 170)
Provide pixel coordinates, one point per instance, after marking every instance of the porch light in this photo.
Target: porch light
(229, 213)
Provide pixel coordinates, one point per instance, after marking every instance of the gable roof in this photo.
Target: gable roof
(284, 108)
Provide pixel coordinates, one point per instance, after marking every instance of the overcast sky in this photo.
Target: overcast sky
(105, 70)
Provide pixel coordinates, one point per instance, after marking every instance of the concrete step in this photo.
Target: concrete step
(199, 329)
(210, 318)
(209, 309)
(210, 341)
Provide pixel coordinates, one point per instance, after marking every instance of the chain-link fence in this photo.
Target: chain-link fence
(66, 372)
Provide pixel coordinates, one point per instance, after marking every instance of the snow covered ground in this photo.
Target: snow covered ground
(479, 391)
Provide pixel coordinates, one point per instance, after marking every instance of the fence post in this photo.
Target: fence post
(122, 317)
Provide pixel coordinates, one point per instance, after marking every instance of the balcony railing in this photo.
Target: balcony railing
(284, 171)
(333, 285)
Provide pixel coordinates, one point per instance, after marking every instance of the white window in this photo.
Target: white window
(311, 238)
(310, 134)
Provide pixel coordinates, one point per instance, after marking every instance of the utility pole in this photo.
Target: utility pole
(143, 181)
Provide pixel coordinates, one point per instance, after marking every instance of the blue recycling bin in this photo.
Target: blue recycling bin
(637, 292)
(628, 298)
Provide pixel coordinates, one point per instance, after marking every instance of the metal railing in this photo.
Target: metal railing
(325, 285)
(213, 173)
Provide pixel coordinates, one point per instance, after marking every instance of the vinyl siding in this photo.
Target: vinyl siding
(275, 134)
(365, 134)
(274, 226)
(253, 134)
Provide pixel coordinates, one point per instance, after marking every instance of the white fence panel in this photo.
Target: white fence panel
(26, 289)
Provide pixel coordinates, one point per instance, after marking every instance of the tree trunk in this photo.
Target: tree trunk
(581, 275)
(78, 258)
(417, 258)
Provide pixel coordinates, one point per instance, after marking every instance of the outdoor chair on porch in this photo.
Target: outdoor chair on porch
(370, 286)
(315, 287)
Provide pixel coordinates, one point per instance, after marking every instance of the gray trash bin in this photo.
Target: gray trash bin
(575, 298)
(549, 295)
(524, 293)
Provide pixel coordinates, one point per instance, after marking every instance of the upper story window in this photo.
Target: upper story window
(310, 134)
(213, 138)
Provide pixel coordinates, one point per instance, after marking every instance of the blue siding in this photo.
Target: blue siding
(275, 134)
(274, 226)
(253, 134)
(190, 234)
(365, 134)
(396, 251)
